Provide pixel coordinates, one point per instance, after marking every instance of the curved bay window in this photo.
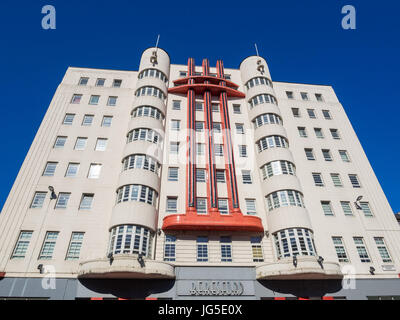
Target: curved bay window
(130, 239)
(143, 134)
(267, 118)
(154, 73)
(293, 242)
(137, 192)
(150, 91)
(141, 161)
(272, 142)
(284, 198)
(275, 168)
(147, 111)
(258, 81)
(262, 98)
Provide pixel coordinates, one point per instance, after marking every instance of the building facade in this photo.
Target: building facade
(196, 182)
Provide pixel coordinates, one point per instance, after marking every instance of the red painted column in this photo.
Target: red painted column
(210, 155)
(228, 146)
(191, 143)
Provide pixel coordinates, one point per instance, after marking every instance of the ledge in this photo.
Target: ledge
(307, 268)
(125, 266)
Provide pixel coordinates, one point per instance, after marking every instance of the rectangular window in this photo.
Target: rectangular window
(172, 174)
(169, 248)
(326, 207)
(112, 101)
(172, 204)
(76, 98)
(296, 112)
(226, 249)
(361, 249)
(60, 142)
(317, 179)
(199, 126)
(175, 125)
(75, 246)
(327, 154)
(176, 105)
(383, 251)
(100, 82)
(38, 199)
(200, 175)
(201, 205)
(182, 74)
(101, 144)
(343, 154)
(311, 113)
(236, 109)
(219, 150)
(346, 208)
(336, 180)
(174, 147)
(256, 249)
(319, 97)
(199, 106)
(318, 133)
(83, 81)
(80, 143)
(94, 171)
(62, 200)
(48, 246)
(22, 245)
(309, 154)
(220, 175)
(86, 201)
(117, 83)
(217, 127)
(302, 132)
(215, 107)
(327, 114)
(223, 206)
(251, 207)
(202, 249)
(340, 249)
(246, 177)
(354, 181)
(242, 150)
(239, 128)
(106, 121)
(72, 170)
(50, 169)
(200, 149)
(289, 95)
(304, 96)
(366, 209)
(87, 120)
(69, 119)
(335, 133)
(94, 100)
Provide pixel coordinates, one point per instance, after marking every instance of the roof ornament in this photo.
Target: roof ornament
(153, 58)
(260, 67)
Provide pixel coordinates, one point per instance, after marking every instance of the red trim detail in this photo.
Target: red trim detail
(96, 298)
(122, 299)
(150, 298)
(303, 299)
(279, 298)
(2, 275)
(199, 88)
(328, 298)
(210, 79)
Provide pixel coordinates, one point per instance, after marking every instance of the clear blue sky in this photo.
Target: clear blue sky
(302, 41)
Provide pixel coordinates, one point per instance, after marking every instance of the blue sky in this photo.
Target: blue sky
(302, 41)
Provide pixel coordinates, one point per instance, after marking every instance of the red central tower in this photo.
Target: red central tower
(210, 86)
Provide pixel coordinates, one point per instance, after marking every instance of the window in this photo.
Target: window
(76, 98)
(199, 106)
(106, 122)
(169, 248)
(80, 143)
(296, 112)
(309, 154)
(49, 244)
(72, 170)
(354, 181)
(256, 249)
(130, 239)
(112, 101)
(220, 175)
(343, 154)
(147, 111)
(175, 125)
(200, 175)
(318, 133)
(182, 74)
(258, 81)
(236, 109)
(335, 133)
(68, 119)
(83, 81)
(94, 171)
(289, 95)
(242, 150)
(50, 169)
(260, 99)
(22, 245)
(276, 168)
(219, 150)
(327, 154)
(223, 206)
(137, 192)
(172, 174)
(150, 91)
(302, 132)
(117, 83)
(75, 246)
(174, 147)
(143, 134)
(267, 118)
(153, 73)
(217, 127)
(60, 142)
(271, 142)
(141, 161)
(200, 149)
(100, 82)
(201, 205)
(304, 96)
(38, 199)
(202, 249)
(318, 179)
(246, 177)
(326, 207)
(94, 100)
(346, 208)
(311, 113)
(62, 200)
(215, 107)
(199, 126)
(284, 198)
(366, 209)
(172, 203)
(336, 180)
(86, 201)
(383, 251)
(101, 144)
(87, 120)
(340, 249)
(326, 114)
(226, 249)
(361, 249)
(293, 242)
(251, 207)
(176, 105)
(319, 97)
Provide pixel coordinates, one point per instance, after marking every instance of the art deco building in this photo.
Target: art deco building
(196, 181)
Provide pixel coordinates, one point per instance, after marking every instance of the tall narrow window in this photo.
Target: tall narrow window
(223, 206)
(317, 179)
(326, 207)
(296, 112)
(22, 245)
(236, 109)
(309, 154)
(75, 245)
(289, 95)
(87, 120)
(304, 96)
(86, 201)
(200, 149)
(72, 170)
(200, 175)
(319, 97)
(202, 249)
(175, 125)
(94, 100)
(340, 249)
(327, 114)
(174, 147)
(68, 119)
(94, 171)
(302, 132)
(242, 150)
(80, 143)
(251, 207)
(383, 251)
(220, 175)
(172, 174)
(106, 121)
(226, 249)
(344, 156)
(219, 150)
(101, 144)
(38, 199)
(48, 246)
(336, 180)
(112, 101)
(169, 248)
(76, 98)
(354, 181)
(335, 133)
(176, 105)
(366, 209)
(346, 208)
(361, 249)
(327, 155)
(172, 204)
(239, 128)
(62, 200)
(201, 205)
(311, 113)
(60, 142)
(246, 177)
(318, 133)
(50, 169)
(256, 249)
